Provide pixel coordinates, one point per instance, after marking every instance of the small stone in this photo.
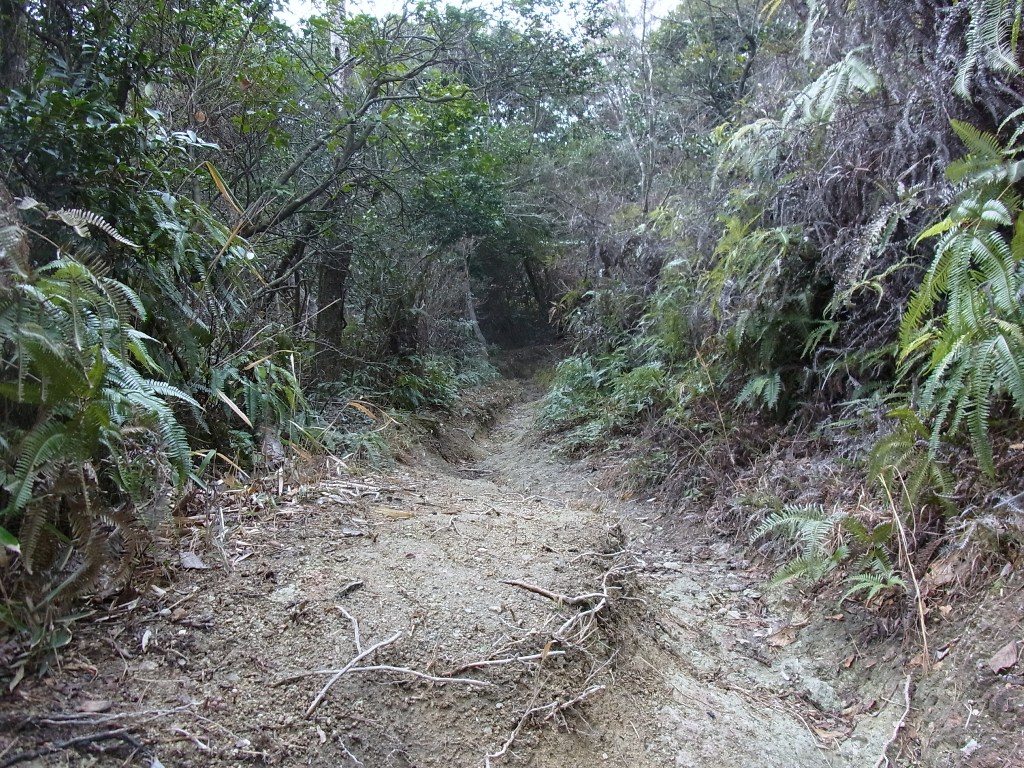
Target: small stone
(970, 748)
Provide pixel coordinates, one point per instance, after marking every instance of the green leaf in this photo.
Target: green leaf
(7, 539)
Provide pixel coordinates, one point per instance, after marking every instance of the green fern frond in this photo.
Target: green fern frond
(44, 444)
(765, 389)
(978, 142)
(809, 567)
(872, 583)
(806, 524)
(991, 42)
(818, 101)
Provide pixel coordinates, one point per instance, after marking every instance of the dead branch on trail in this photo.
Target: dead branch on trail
(573, 634)
(897, 726)
(508, 660)
(355, 659)
(543, 714)
(384, 668)
(80, 718)
(554, 596)
(121, 734)
(578, 627)
(361, 653)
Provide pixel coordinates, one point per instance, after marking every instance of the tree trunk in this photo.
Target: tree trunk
(535, 288)
(471, 306)
(12, 44)
(330, 319)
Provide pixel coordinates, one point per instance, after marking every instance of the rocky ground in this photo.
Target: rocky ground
(491, 608)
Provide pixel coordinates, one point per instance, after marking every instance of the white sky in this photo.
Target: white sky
(296, 10)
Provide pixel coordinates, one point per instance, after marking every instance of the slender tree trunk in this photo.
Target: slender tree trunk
(471, 305)
(535, 288)
(330, 319)
(12, 43)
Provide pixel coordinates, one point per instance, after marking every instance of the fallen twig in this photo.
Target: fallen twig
(355, 627)
(355, 659)
(422, 675)
(121, 734)
(80, 718)
(548, 710)
(510, 660)
(577, 628)
(194, 739)
(884, 757)
(554, 596)
(383, 668)
(352, 586)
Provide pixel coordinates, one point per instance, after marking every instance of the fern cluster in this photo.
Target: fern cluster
(814, 536)
(992, 41)
(964, 326)
(822, 542)
(91, 437)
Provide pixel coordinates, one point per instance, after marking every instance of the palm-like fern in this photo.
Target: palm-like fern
(993, 36)
(86, 415)
(838, 83)
(903, 463)
(964, 327)
(815, 537)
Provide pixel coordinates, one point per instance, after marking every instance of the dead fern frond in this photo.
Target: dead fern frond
(80, 220)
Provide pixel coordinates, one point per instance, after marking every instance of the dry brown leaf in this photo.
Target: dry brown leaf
(400, 514)
(1004, 658)
(828, 736)
(848, 661)
(784, 636)
(95, 706)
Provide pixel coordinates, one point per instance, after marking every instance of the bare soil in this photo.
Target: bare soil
(520, 616)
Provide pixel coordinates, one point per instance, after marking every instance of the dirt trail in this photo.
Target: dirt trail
(656, 653)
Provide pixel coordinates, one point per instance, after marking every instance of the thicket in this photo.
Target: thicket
(754, 220)
(217, 232)
(802, 222)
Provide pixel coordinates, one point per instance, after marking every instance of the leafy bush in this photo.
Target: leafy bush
(423, 382)
(574, 394)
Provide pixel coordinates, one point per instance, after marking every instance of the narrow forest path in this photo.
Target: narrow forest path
(654, 647)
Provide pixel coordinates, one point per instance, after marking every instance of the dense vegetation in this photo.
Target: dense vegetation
(752, 219)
